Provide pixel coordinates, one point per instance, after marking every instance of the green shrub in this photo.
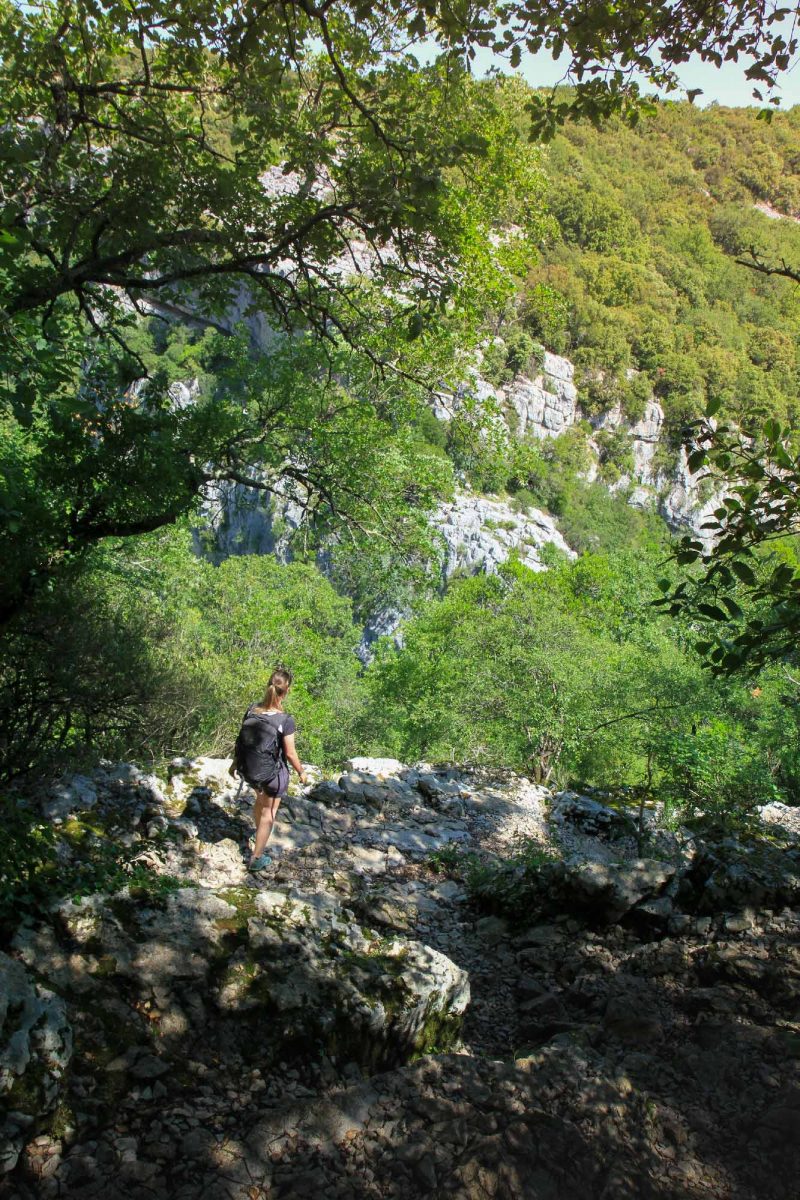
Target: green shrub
(29, 866)
(151, 652)
(592, 520)
(713, 776)
(449, 859)
(523, 500)
(512, 887)
(515, 353)
(43, 864)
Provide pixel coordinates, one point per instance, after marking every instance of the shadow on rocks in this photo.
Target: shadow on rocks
(214, 823)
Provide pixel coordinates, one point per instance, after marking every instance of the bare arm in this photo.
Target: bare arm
(233, 769)
(291, 756)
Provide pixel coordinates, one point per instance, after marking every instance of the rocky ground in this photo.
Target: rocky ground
(450, 982)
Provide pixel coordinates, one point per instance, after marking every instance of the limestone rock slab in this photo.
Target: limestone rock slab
(35, 1051)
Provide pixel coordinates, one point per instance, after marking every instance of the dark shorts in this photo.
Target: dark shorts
(276, 787)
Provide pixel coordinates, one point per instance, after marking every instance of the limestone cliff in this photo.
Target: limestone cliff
(548, 403)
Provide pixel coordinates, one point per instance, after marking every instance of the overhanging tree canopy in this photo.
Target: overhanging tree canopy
(135, 138)
(167, 154)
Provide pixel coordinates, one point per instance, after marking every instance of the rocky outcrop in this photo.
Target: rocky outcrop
(481, 533)
(547, 404)
(451, 981)
(478, 535)
(35, 1050)
(248, 521)
(644, 436)
(294, 965)
(386, 622)
(686, 502)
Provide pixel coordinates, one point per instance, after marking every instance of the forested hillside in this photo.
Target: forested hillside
(637, 279)
(473, 408)
(644, 270)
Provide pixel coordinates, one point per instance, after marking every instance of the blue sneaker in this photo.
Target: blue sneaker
(260, 864)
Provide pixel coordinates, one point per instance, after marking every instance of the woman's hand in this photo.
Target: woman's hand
(232, 771)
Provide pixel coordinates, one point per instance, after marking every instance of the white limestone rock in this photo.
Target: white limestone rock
(544, 406)
(215, 773)
(479, 534)
(77, 794)
(375, 766)
(683, 503)
(611, 890)
(184, 394)
(644, 437)
(548, 404)
(368, 860)
(297, 959)
(248, 521)
(385, 622)
(35, 1051)
(215, 864)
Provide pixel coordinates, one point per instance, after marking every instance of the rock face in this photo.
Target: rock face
(295, 966)
(683, 503)
(246, 521)
(450, 981)
(644, 437)
(480, 534)
(78, 793)
(35, 1050)
(548, 404)
(386, 622)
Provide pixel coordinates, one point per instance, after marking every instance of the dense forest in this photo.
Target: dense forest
(631, 265)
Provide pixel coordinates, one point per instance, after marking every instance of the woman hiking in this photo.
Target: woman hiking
(262, 755)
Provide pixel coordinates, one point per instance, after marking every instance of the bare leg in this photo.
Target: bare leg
(264, 813)
(257, 807)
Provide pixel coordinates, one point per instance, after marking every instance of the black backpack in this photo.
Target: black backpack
(257, 754)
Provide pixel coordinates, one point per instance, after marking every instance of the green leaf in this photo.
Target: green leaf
(732, 607)
(743, 572)
(415, 326)
(712, 612)
(782, 575)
